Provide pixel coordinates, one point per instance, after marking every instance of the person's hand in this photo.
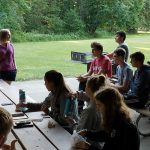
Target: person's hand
(45, 109)
(20, 105)
(81, 78)
(82, 145)
(10, 147)
(82, 132)
(74, 94)
(70, 121)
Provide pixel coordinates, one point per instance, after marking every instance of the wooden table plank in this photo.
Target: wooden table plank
(57, 135)
(32, 139)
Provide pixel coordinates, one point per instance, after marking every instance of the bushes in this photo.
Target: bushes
(35, 37)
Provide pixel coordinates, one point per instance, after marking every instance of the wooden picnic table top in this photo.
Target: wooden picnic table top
(38, 137)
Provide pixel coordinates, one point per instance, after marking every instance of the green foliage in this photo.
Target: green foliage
(90, 12)
(134, 9)
(11, 14)
(73, 16)
(72, 21)
(42, 17)
(32, 36)
(145, 16)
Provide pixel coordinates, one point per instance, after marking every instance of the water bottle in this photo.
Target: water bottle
(67, 107)
(22, 96)
(22, 99)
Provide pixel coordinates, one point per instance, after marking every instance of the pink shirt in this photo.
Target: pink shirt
(7, 62)
(102, 63)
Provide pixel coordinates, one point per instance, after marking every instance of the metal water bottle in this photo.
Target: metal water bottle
(22, 96)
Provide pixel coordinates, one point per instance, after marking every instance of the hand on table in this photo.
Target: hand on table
(82, 132)
(18, 106)
(10, 147)
(45, 109)
(82, 145)
(81, 78)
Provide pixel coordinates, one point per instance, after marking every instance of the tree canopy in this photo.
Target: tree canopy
(69, 16)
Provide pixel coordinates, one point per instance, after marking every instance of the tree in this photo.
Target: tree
(145, 16)
(43, 16)
(91, 14)
(72, 21)
(11, 14)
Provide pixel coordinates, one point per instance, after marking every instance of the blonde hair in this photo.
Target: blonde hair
(6, 121)
(96, 82)
(5, 33)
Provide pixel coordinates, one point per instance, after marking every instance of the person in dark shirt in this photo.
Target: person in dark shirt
(140, 84)
(120, 38)
(119, 132)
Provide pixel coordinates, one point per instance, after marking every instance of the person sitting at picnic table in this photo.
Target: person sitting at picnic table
(124, 72)
(6, 123)
(101, 64)
(119, 132)
(140, 84)
(90, 118)
(56, 100)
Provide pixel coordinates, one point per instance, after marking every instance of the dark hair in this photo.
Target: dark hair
(121, 34)
(138, 56)
(120, 52)
(97, 46)
(115, 108)
(95, 82)
(58, 80)
(4, 33)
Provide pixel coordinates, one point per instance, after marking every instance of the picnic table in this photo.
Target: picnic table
(39, 136)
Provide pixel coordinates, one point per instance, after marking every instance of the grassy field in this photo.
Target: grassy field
(35, 58)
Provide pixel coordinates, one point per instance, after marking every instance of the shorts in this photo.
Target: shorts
(8, 75)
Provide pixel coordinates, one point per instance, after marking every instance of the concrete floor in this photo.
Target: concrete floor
(37, 90)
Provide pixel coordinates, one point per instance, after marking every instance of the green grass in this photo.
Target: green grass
(35, 58)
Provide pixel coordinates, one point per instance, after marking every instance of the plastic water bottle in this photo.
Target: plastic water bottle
(22, 96)
(22, 99)
(67, 107)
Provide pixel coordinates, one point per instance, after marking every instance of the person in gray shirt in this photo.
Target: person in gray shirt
(124, 72)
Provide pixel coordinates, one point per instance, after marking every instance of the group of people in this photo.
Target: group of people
(130, 84)
(106, 118)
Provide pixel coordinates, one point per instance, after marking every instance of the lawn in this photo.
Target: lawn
(35, 58)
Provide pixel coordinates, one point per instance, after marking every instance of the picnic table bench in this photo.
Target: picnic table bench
(39, 136)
